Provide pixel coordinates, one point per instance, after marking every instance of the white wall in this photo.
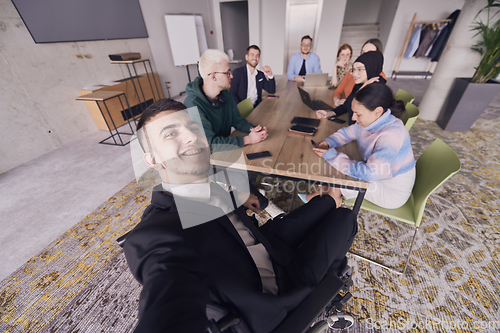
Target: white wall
(39, 84)
(426, 10)
(154, 12)
(273, 20)
(328, 36)
(361, 11)
(386, 18)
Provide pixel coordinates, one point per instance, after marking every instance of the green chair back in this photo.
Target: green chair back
(245, 107)
(403, 95)
(435, 166)
(412, 113)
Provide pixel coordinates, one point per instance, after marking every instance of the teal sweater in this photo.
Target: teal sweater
(217, 123)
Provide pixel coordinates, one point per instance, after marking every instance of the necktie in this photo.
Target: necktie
(303, 68)
(279, 256)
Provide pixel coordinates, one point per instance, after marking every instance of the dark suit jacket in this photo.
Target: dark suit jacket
(182, 270)
(239, 85)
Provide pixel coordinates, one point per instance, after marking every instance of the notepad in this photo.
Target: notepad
(305, 121)
(304, 130)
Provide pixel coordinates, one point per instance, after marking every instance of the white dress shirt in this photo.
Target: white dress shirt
(201, 192)
(252, 85)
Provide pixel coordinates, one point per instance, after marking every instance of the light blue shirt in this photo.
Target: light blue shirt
(312, 65)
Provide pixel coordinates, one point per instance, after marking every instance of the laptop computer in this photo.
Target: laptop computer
(316, 79)
(315, 105)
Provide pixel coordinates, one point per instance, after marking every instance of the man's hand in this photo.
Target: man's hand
(252, 202)
(267, 70)
(299, 79)
(257, 134)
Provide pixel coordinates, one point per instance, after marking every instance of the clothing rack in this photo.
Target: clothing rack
(396, 70)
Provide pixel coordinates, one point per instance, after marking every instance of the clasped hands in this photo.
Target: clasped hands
(256, 135)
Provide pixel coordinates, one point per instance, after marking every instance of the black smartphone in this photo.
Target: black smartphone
(315, 144)
(336, 120)
(261, 154)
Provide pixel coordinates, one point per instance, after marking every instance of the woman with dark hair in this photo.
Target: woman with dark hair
(366, 69)
(347, 83)
(388, 163)
(343, 64)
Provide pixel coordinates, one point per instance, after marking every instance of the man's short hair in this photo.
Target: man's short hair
(255, 47)
(165, 104)
(306, 37)
(208, 59)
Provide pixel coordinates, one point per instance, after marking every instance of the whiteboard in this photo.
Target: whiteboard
(187, 38)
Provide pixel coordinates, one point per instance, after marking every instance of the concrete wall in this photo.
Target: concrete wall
(426, 10)
(386, 18)
(329, 33)
(39, 84)
(361, 11)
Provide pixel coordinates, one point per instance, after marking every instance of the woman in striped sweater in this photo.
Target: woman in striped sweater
(388, 162)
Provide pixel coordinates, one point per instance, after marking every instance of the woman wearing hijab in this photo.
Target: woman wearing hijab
(366, 69)
(347, 83)
(388, 162)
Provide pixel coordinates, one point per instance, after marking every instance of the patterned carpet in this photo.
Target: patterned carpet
(81, 283)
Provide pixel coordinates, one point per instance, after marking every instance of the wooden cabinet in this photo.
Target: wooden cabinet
(140, 93)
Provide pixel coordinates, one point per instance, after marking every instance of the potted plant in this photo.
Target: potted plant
(469, 97)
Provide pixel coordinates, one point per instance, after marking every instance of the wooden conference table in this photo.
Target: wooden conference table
(292, 154)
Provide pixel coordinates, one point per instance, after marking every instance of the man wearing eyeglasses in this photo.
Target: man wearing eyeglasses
(218, 111)
(303, 62)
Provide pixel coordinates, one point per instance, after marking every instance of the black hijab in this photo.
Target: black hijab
(373, 61)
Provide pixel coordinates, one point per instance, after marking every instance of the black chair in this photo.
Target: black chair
(325, 297)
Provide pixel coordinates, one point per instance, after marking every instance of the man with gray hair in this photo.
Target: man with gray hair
(218, 111)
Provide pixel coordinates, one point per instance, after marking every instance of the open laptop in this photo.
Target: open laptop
(316, 79)
(315, 105)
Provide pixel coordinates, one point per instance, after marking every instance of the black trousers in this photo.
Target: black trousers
(317, 237)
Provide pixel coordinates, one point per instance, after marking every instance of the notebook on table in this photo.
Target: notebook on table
(316, 104)
(305, 121)
(316, 79)
(304, 130)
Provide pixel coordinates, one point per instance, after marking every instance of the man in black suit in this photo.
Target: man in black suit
(248, 81)
(195, 244)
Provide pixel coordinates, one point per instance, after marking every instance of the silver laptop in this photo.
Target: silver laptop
(316, 79)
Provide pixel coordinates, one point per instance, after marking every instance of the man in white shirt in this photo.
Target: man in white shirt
(262, 272)
(248, 81)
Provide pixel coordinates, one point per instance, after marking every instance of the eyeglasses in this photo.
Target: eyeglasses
(354, 70)
(228, 73)
(306, 44)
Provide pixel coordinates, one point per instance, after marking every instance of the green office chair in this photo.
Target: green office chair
(412, 113)
(245, 107)
(403, 95)
(435, 166)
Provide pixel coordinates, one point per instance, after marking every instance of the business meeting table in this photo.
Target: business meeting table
(292, 156)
